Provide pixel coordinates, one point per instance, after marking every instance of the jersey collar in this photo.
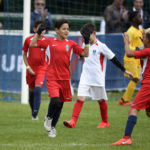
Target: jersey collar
(56, 39)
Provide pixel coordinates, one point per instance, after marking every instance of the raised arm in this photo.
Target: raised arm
(38, 35)
(86, 35)
(128, 52)
(33, 42)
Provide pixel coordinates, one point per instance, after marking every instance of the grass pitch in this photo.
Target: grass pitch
(19, 132)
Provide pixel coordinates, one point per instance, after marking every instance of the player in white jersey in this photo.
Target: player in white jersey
(92, 81)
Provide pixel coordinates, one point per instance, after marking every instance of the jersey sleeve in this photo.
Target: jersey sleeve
(25, 45)
(76, 48)
(43, 43)
(142, 54)
(107, 52)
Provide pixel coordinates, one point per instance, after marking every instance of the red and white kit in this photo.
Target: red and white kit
(142, 99)
(58, 74)
(92, 81)
(36, 60)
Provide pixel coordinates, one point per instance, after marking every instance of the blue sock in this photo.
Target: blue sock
(130, 125)
(31, 99)
(37, 101)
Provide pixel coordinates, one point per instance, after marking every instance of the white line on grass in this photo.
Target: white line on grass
(65, 145)
(62, 145)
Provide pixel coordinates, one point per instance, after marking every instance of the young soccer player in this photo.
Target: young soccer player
(92, 81)
(132, 64)
(36, 69)
(58, 74)
(142, 99)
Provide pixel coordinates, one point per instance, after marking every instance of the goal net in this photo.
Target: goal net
(78, 13)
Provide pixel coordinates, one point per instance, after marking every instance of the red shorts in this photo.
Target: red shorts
(36, 79)
(142, 99)
(59, 88)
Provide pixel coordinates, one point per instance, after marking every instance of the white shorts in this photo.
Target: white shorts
(95, 92)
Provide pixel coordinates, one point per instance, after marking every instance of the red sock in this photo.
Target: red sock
(77, 109)
(103, 110)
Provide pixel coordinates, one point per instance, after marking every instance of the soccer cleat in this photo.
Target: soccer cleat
(103, 125)
(47, 124)
(125, 140)
(70, 124)
(35, 118)
(124, 103)
(52, 133)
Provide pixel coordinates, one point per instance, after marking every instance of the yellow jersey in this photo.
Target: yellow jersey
(135, 36)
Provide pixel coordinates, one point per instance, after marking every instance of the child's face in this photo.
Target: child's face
(138, 19)
(63, 31)
(92, 37)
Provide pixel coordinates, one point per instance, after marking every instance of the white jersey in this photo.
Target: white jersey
(94, 67)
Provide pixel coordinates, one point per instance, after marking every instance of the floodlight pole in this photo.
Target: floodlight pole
(26, 32)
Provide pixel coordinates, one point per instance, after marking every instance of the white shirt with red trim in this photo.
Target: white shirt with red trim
(94, 67)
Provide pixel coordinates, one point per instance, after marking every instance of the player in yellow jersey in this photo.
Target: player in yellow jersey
(132, 64)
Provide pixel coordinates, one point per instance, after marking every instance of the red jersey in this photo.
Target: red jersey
(59, 53)
(36, 56)
(144, 55)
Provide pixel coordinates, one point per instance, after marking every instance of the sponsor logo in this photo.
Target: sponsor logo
(125, 142)
(67, 47)
(68, 98)
(94, 52)
(54, 45)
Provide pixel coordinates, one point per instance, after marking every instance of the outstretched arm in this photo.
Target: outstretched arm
(128, 52)
(119, 65)
(85, 53)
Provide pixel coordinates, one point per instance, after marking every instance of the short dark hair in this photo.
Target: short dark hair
(60, 22)
(88, 26)
(37, 22)
(132, 15)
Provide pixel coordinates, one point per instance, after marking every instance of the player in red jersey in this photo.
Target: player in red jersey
(36, 69)
(58, 73)
(142, 99)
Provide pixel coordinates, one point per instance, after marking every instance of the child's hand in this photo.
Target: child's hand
(129, 74)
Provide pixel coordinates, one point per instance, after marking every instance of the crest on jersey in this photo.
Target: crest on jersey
(94, 52)
(67, 47)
